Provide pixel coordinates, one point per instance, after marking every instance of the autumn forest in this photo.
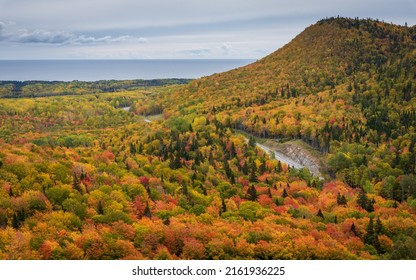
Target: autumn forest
(172, 169)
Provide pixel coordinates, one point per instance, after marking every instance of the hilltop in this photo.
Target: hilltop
(326, 54)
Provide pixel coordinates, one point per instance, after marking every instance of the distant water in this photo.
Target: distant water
(94, 70)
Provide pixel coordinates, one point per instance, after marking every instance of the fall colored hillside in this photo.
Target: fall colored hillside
(343, 86)
(83, 178)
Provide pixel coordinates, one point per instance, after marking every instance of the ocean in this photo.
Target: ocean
(95, 70)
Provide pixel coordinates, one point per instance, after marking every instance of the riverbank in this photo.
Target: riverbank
(294, 153)
(301, 153)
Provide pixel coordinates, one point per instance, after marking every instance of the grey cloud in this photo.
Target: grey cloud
(106, 39)
(142, 40)
(225, 48)
(4, 35)
(196, 52)
(40, 36)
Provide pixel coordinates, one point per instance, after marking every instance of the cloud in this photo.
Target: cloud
(3, 34)
(142, 40)
(40, 36)
(226, 48)
(196, 52)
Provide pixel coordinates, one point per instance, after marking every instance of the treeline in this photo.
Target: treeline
(18, 89)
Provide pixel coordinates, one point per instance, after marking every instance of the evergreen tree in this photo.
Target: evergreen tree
(263, 166)
(223, 205)
(353, 229)
(252, 193)
(132, 149)
(379, 228)
(147, 212)
(244, 168)
(15, 221)
(269, 192)
(193, 177)
(100, 208)
(251, 141)
(365, 202)
(341, 200)
(232, 179)
(279, 167)
(140, 150)
(175, 161)
(370, 205)
(227, 169)
(320, 214)
(370, 235)
(21, 215)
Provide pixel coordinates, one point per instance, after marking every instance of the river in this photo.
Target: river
(281, 157)
(127, 109)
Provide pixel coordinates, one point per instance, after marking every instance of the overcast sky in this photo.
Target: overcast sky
(141, 29)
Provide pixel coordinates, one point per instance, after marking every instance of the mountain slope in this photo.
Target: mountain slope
(332, 53)
(325, 54)
(345, 86)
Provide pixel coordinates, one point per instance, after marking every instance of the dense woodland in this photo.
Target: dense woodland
(81, 178)
(18, 89)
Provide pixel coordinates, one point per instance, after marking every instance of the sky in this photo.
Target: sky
(175, 29)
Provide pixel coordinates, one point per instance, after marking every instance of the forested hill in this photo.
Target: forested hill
(329, 53)
(345, 86)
